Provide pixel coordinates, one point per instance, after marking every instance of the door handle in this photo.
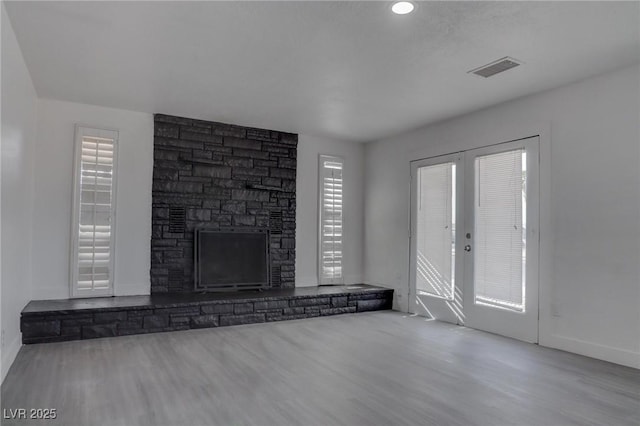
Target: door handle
(467, 247)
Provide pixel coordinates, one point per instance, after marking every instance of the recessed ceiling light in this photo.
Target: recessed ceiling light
(402, 7)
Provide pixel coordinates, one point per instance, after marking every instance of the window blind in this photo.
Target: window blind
(331, 219)
(94, 203)
(500, 225)
(435, 263)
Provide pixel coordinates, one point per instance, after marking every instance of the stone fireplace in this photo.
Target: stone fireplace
(209, 175)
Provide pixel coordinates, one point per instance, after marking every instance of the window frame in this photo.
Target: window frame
(80, 132)
(322, 280)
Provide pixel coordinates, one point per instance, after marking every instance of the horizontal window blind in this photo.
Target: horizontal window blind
(500, 228)
(436, 230)
(331, 220)
(94, 203)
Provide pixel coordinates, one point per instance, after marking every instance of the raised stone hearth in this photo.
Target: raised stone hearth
(45, 321)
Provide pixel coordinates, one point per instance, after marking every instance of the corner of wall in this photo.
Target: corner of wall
(18, 118)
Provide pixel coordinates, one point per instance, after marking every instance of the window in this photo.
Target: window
(331, 220)
(93, 212)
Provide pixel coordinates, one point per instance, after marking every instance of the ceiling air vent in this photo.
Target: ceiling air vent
(496, 67)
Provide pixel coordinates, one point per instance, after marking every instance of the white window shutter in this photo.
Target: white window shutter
(331, 219)
(92, 263)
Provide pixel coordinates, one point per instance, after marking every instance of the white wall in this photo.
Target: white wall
(309, 148)
(53, 191)
(589, 267)
(18, 138)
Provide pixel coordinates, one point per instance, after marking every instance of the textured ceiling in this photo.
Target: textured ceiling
(349, 70)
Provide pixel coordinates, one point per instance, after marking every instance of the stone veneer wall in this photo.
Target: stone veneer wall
(208, 174)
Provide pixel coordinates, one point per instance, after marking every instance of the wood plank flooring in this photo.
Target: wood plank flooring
(379, 368)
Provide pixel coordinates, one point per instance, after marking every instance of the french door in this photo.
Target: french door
(474, 238)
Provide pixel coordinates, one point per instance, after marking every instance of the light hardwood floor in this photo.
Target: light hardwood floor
(377, 368)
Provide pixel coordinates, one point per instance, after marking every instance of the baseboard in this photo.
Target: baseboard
(593, 350)
(9, 355)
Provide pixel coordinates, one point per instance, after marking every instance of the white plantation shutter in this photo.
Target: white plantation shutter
(500, 227)
(436, 230)
(331, 220)
(94, 206)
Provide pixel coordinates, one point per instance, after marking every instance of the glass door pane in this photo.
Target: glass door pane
(435, 255)
(500, 228)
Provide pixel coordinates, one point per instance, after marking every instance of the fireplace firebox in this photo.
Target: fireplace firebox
(229, 259)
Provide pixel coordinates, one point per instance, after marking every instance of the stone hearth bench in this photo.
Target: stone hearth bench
(44, 321)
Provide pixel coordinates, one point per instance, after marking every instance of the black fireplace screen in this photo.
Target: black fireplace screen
(231, 259)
